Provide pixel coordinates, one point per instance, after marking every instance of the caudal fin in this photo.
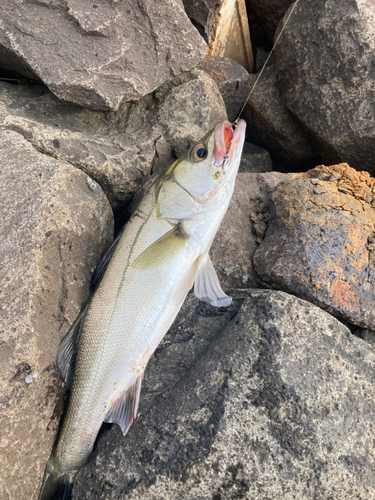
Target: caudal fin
(56, 486)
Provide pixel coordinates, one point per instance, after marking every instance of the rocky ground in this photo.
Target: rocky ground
(272, 397)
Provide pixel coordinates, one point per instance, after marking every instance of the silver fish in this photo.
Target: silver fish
(161, 254)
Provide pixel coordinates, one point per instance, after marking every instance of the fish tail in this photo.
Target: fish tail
(56, 485)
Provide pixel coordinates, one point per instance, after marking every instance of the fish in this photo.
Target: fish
(161, 254)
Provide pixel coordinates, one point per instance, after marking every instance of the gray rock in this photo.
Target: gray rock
(270, 12)
(202, 13)
(243, 228)
(271, 126)
(326, 79)
(98, 54)
(56, 223)
(232, 80)
(255, 159)
(272, 398)
(117, 149)
(320, 241)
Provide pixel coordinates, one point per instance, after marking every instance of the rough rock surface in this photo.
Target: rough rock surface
(243, 228)
(202, 14)
(271, 126)
(276, 401)
(255, 159)
(232, 80)
(56, 223)
(320, 242)
(269, 12)
(326, 77)
(118, 149)
(98, 54)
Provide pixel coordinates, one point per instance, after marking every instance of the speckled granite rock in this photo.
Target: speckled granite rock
(272, 398)
(98, 54)
(118, 149)
(56, 224)
(320, 241)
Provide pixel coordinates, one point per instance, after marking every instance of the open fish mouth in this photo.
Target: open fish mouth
(227, 137)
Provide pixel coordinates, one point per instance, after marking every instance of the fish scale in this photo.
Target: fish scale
(161, 253)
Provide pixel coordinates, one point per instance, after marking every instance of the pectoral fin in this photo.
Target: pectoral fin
(164, 249)
(66, 353)
(207, 286)
(124, 409)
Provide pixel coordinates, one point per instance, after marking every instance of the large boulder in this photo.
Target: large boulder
(273, 127)
(271, 398)
(326, 76)
(232, 80)
(98, 54)
(118, 149)
(56, 224)
(320, 241)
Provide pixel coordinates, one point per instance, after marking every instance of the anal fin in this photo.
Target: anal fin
(66, 353)
(207, 287)
(124, 409)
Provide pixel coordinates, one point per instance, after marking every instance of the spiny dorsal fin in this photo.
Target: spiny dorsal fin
(207, 286)
(164, 249)
(124, 409)
(66, 353)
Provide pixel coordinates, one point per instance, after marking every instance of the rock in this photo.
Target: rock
(255, 159)
(230, 35)
(270, 12)
(271, 126)
(261, 58)
(367, 335)
(118, 149)
(56, 224)
(320, 241)
(243, 229)
(273, 401)
(232, 80)
(202, 14)
(325, 77)
(98, 55)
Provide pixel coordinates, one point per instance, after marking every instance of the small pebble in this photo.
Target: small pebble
(28, 379)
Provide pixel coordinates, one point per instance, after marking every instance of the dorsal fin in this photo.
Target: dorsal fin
(124, 409)
(207, 286)
(66, 353)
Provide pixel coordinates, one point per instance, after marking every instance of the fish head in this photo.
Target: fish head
(211, 165)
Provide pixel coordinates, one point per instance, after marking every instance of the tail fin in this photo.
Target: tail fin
(56, 485)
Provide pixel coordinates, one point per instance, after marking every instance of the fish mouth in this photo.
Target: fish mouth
(227, 136)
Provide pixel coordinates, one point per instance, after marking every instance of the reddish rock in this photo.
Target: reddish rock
(320, 243)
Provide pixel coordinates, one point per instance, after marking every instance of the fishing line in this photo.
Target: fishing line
(266, 62)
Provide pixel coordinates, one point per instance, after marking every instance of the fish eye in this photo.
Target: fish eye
(198, 153)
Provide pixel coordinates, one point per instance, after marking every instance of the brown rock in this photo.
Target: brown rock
(271, 126)
(232, 80)
(118, 149)
(56, 223)
(202, 14)
(243, 229)
(98, 54)
(326, 80)
(320, 242)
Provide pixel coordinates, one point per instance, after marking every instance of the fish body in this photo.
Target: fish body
(162, 252)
